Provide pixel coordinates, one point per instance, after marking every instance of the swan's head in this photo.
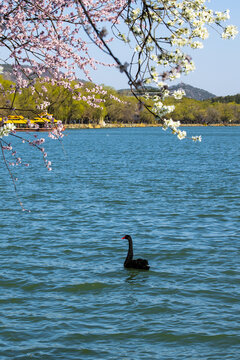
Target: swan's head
(127, 237)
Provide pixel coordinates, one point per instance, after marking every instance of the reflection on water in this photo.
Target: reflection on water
(136, 276)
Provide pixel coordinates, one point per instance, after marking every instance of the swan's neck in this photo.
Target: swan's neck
(130, 251)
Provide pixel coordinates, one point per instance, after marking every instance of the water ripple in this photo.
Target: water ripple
(64, 291)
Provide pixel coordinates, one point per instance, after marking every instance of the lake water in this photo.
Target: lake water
(64, 293)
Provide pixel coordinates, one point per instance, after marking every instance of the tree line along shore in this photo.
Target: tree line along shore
(117, 110)
(132, 125)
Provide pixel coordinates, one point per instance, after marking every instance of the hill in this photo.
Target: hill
(6, 72)
(191, 91)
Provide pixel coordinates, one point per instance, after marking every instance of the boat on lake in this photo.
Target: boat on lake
(43, 122)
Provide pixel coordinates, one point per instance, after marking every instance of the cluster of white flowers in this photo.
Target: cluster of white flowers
(222, 16)
(154, 26)
(160, 110)
(186, 21)
(6, 129)
(197, 138)
(196, 45)
(174, 126)
(135, 13)
(230, 32)
(178, 94)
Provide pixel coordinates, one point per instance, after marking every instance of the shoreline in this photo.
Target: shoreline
(133, 125)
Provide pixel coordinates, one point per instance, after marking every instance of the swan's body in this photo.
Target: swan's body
(129, 262)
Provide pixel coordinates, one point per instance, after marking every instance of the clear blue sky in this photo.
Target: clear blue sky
(217, 64)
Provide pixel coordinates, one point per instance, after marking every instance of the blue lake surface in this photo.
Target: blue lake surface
(64, 293)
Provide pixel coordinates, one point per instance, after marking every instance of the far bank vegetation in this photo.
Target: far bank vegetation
(63, 106)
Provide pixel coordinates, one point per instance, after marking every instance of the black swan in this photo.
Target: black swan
(129, 262)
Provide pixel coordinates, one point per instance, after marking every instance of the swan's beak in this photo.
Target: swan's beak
(124, 237)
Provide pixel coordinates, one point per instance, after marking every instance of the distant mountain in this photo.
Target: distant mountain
(6, 72)
(191, 91)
